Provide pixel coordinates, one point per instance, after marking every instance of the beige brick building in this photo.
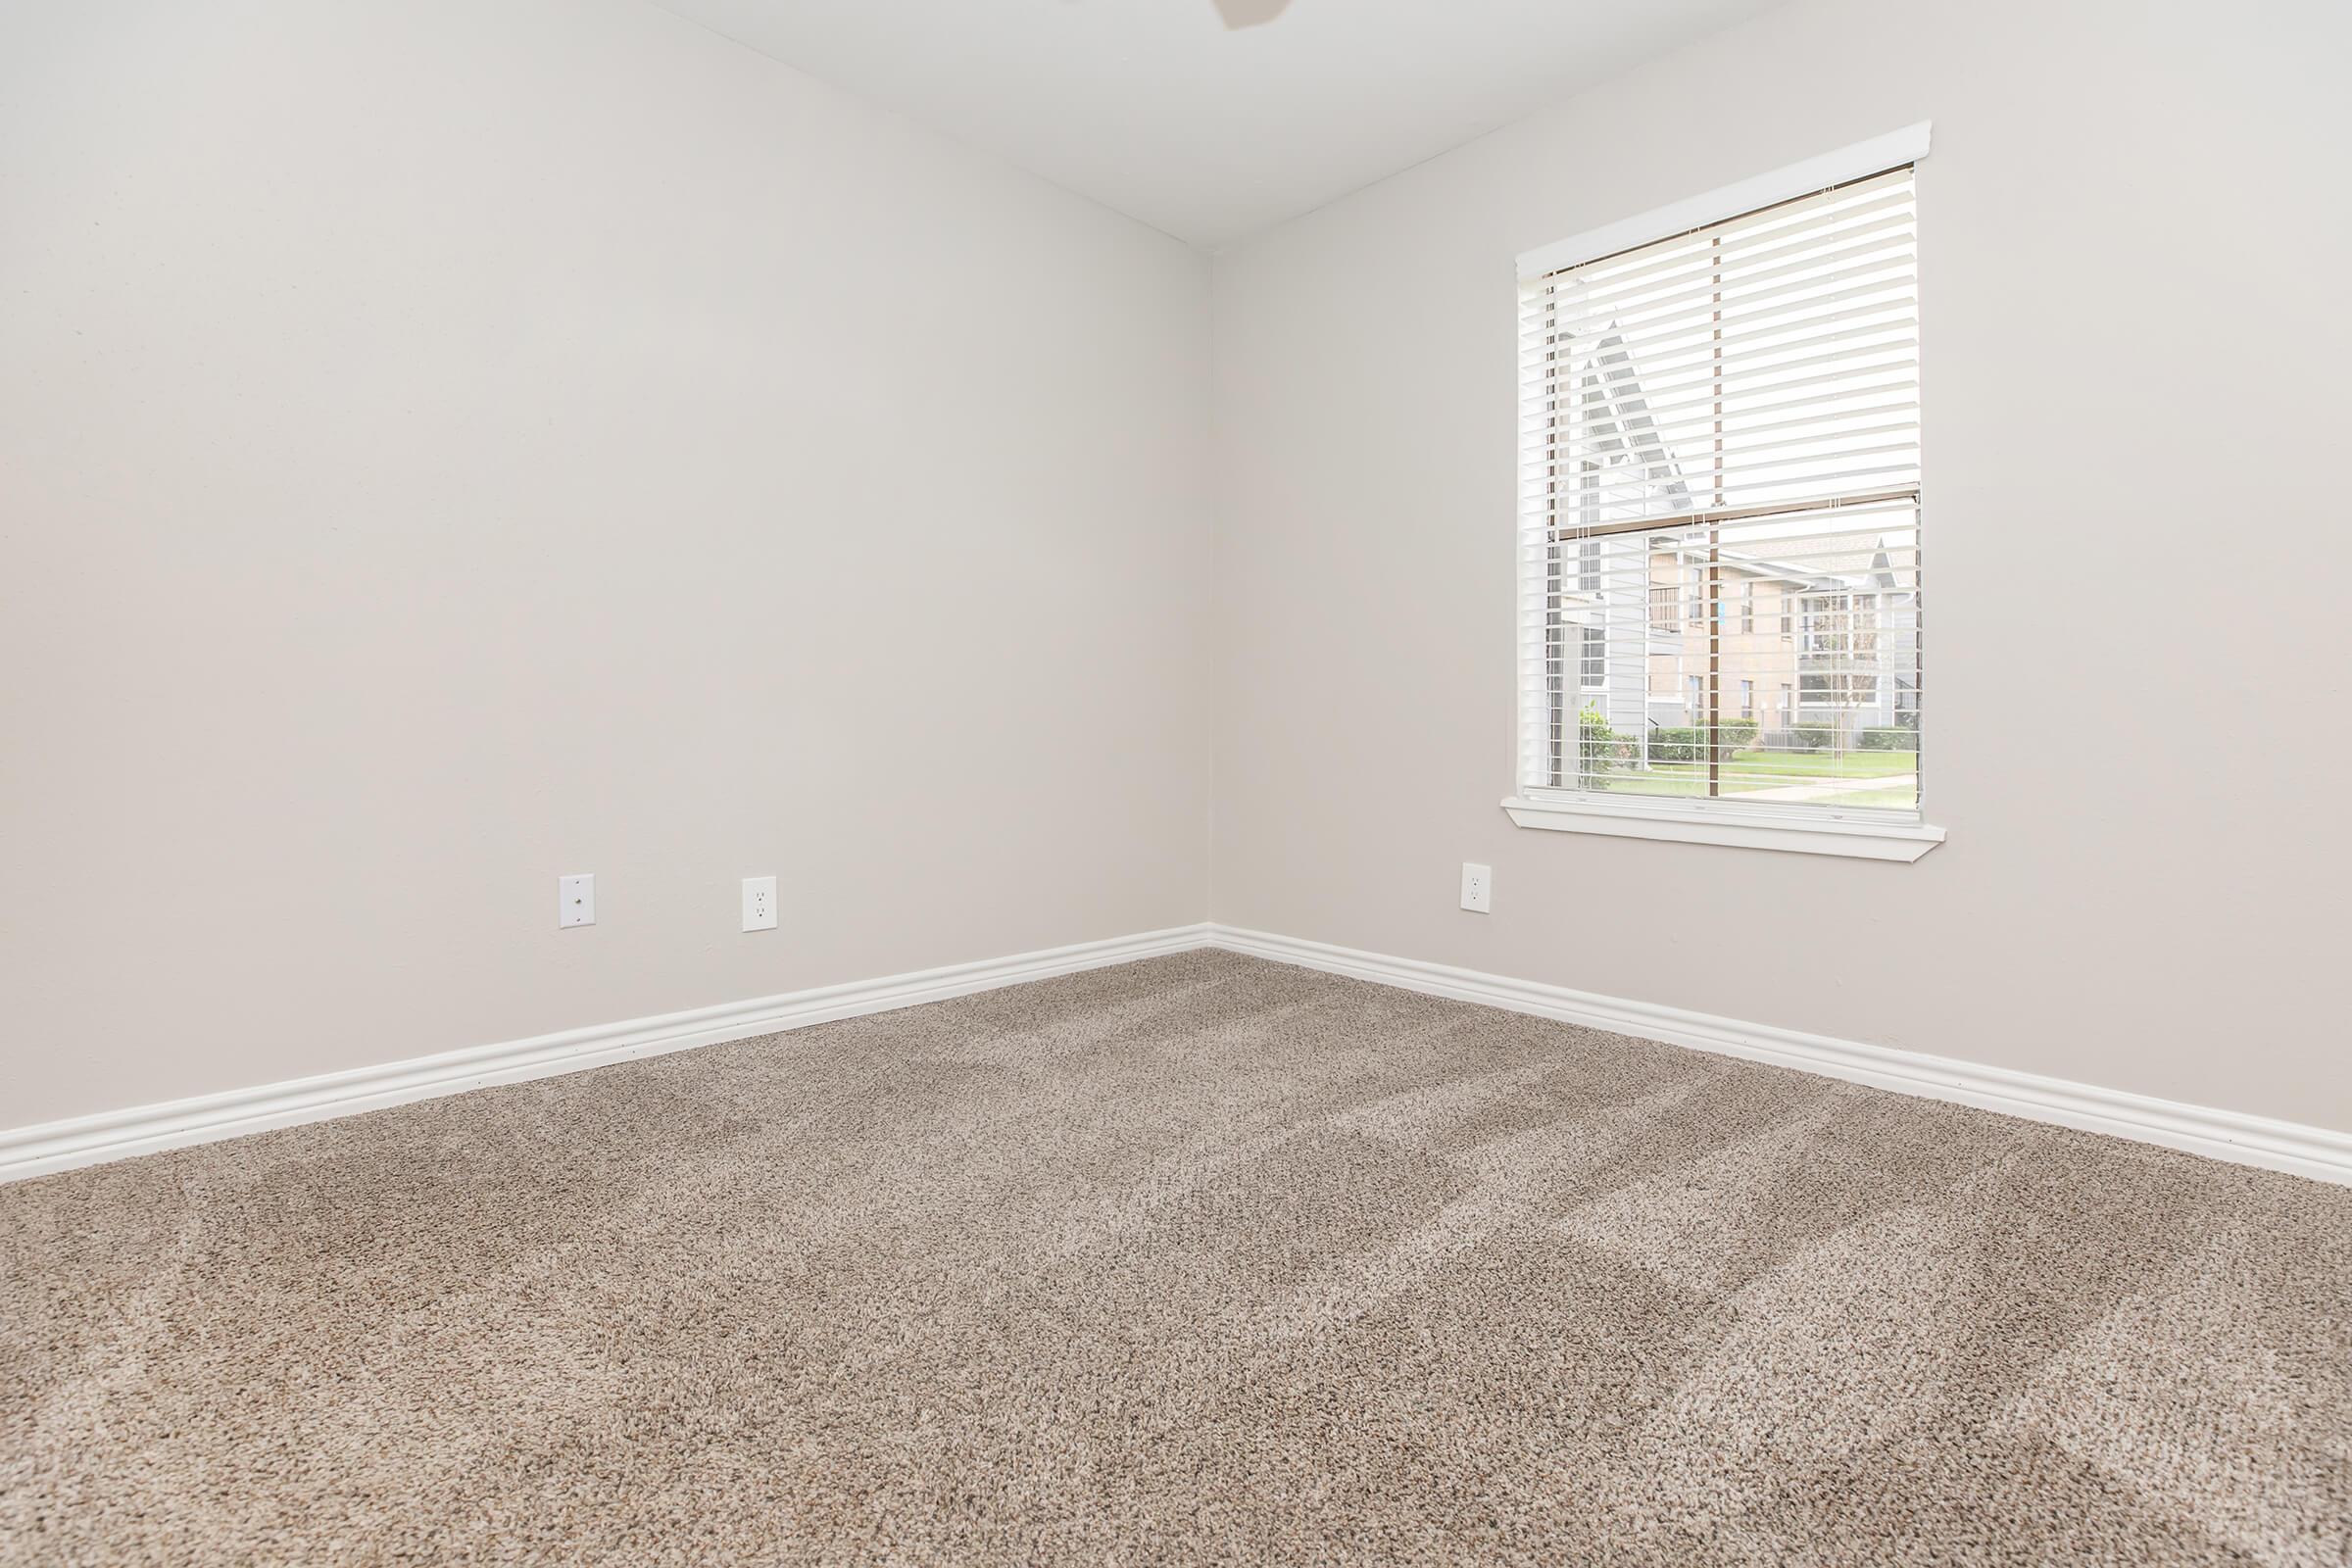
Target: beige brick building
(1828, 641)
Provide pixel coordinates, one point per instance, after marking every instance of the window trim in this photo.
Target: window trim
(1866, 835)
(1856, 836)
(1863, 159)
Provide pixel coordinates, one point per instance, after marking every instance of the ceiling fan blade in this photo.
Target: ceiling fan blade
(1250, 13)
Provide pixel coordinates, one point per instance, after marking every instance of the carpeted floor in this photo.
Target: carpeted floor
(1197, 1260)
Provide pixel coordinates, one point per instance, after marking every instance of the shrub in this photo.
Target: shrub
(1811, 737)
(1895, 739)
(1681, 743)
(1599, 748)
(1676, 745)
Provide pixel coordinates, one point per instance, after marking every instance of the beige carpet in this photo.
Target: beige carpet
(1197, 1260)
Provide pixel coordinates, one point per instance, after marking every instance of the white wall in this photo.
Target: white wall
(444, 445)
(2135, 239)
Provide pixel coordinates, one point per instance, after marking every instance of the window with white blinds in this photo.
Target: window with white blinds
(1719, 547)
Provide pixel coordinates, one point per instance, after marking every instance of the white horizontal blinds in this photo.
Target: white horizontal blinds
(1718, 544)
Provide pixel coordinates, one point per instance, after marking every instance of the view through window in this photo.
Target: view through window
(1719, 547)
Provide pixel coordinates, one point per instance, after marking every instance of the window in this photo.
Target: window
(1730, 409)
(1593, 668)
(1840, 623)
(1837, 689)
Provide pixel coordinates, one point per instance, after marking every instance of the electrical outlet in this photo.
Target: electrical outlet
(759, 903)
(575, 900)
(1478, 887)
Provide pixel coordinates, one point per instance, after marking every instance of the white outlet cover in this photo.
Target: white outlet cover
(1478, 887)
(759, 903)
(575, 900)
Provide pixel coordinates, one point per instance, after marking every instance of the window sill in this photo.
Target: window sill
(1751, 830)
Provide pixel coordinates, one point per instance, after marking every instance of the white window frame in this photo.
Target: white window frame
(1813, 830)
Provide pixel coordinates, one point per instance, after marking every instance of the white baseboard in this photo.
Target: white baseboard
(2312, 1151)
(143, 1130)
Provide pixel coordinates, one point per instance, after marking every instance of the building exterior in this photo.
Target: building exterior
(1827, 643)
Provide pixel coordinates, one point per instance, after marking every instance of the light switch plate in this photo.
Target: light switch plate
(1478, 887)
(759, 903)
(575, 900)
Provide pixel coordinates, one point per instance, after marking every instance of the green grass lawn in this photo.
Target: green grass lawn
(1761, 770)
(1805, 764)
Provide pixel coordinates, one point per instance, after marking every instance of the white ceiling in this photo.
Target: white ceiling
(1154, 108)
